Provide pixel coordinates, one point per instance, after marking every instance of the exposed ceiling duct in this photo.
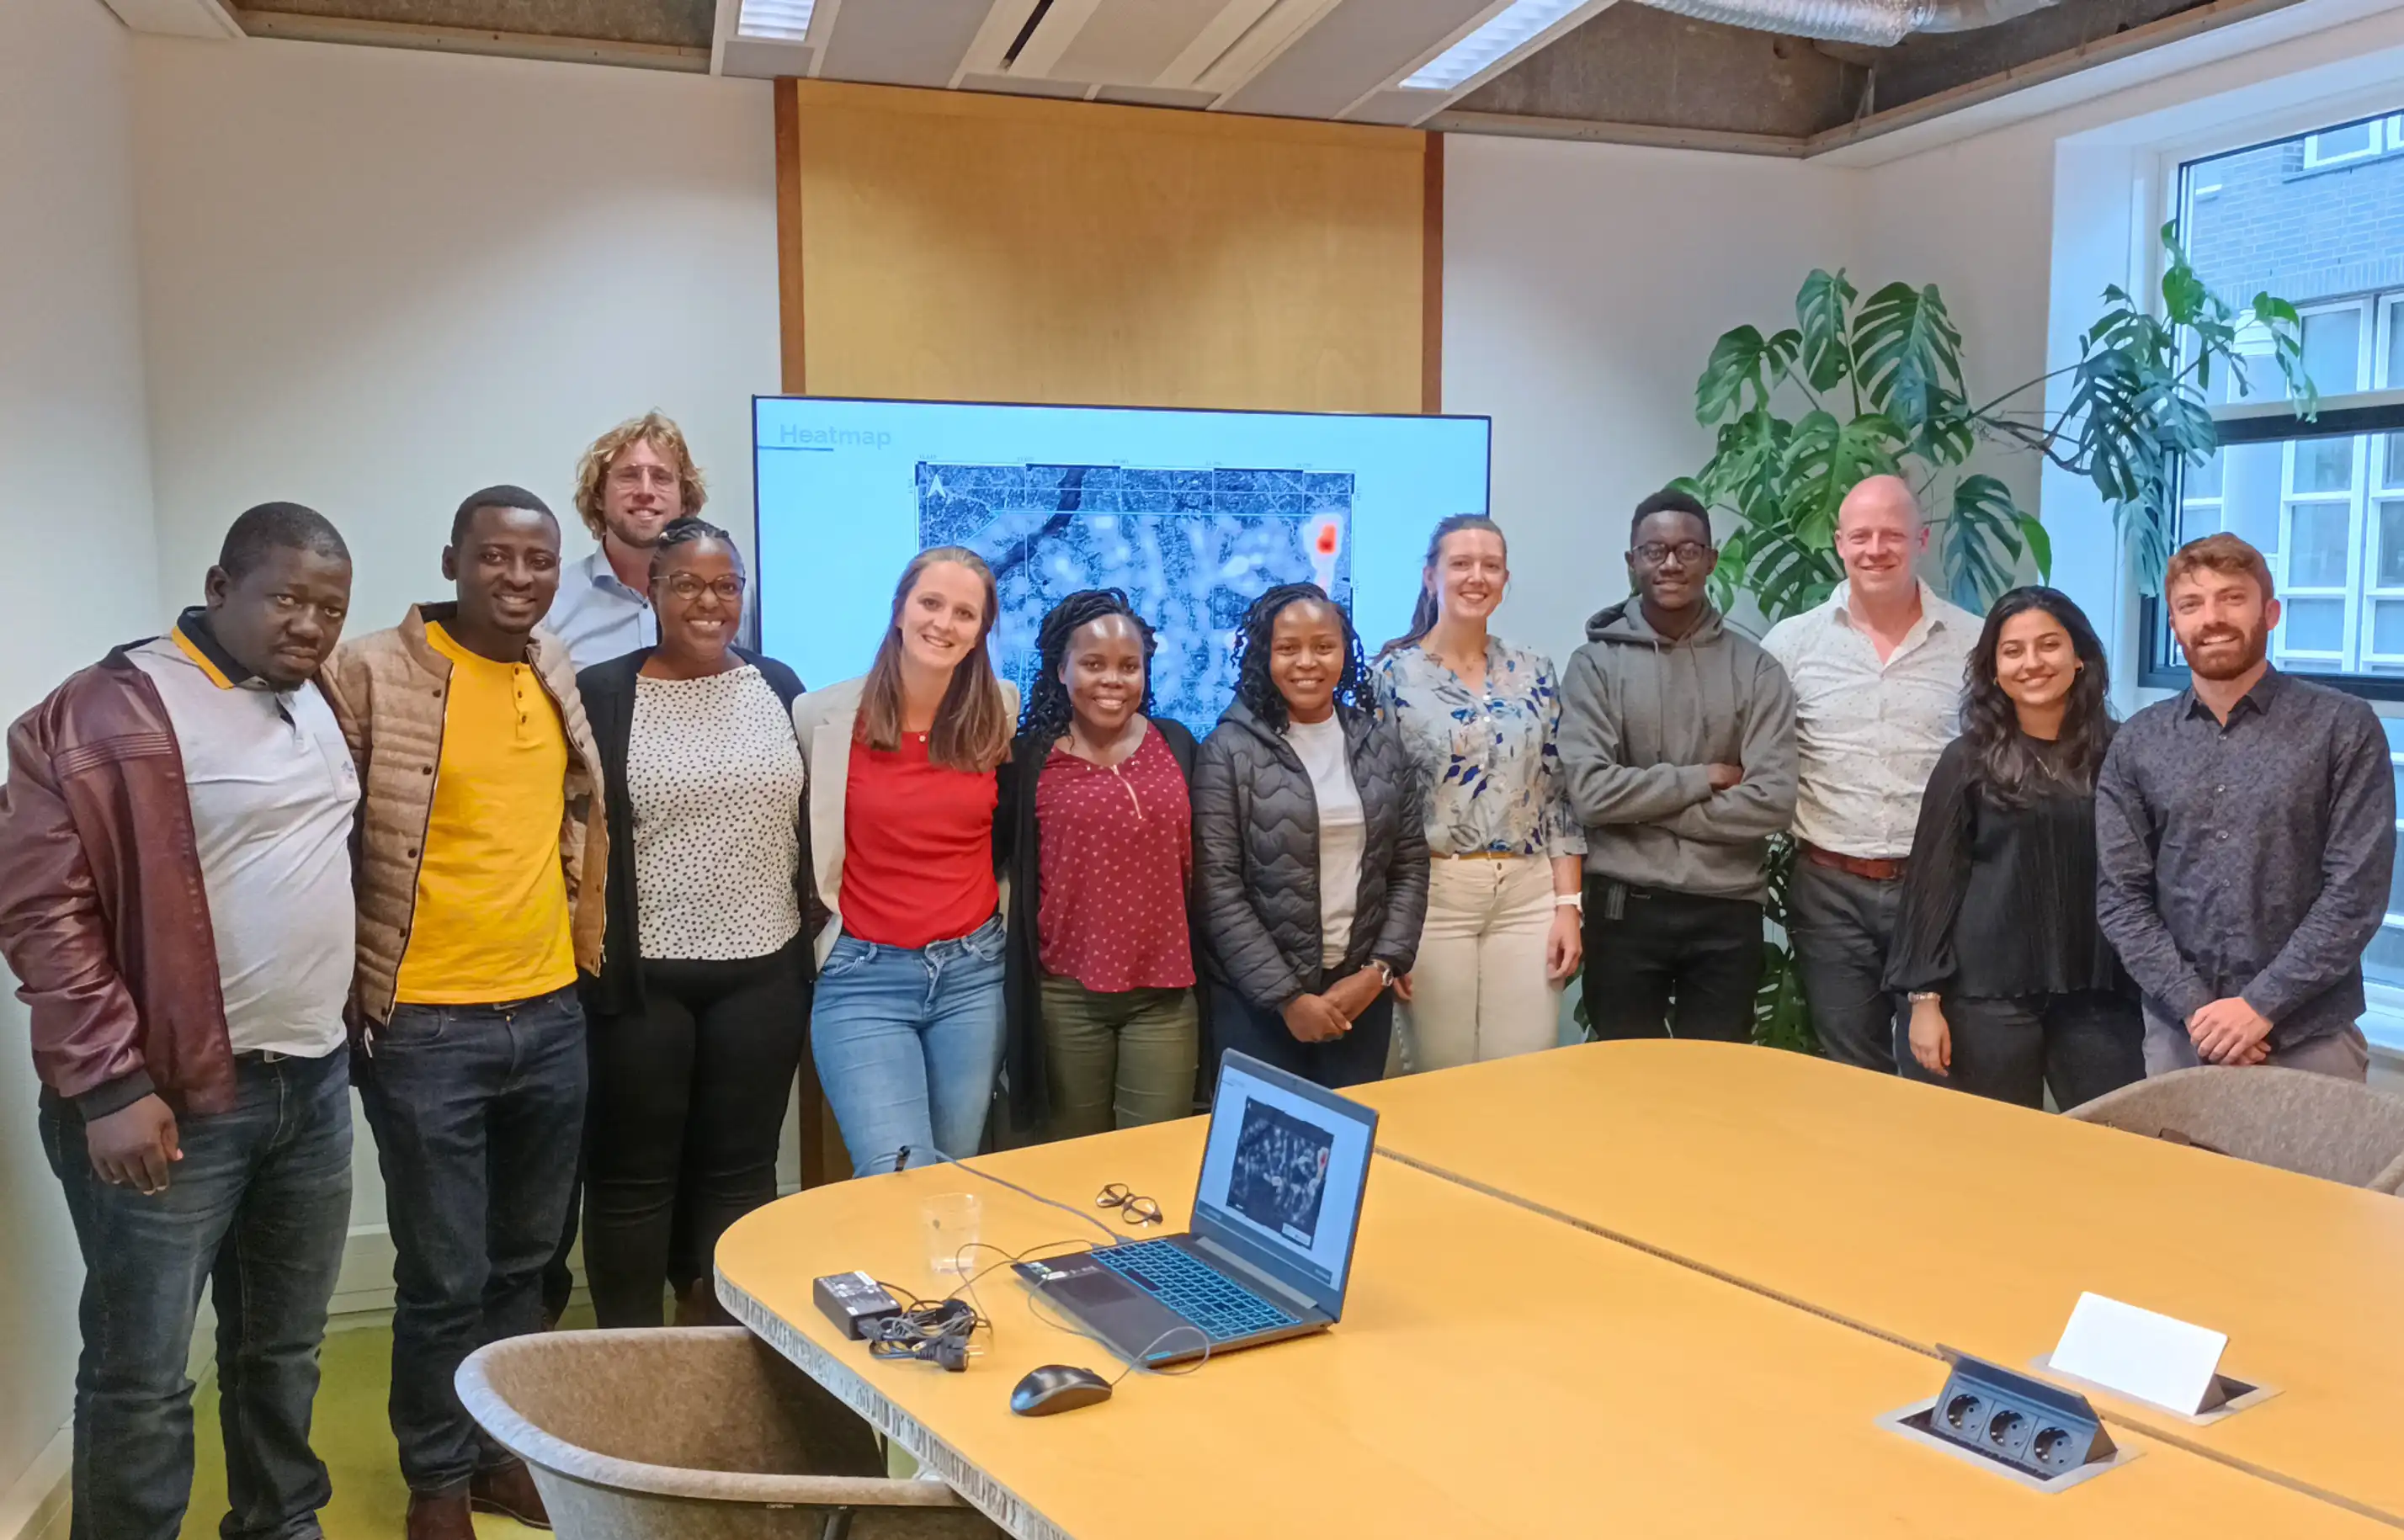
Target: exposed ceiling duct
(1878, 23)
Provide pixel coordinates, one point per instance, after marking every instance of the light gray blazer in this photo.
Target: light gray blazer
(824, 720)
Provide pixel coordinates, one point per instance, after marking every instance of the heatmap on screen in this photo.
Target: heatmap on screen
(1193, 513)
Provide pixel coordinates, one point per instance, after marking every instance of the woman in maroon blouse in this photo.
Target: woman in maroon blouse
(1098, 976)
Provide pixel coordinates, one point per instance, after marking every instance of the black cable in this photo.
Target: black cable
(902, 1159)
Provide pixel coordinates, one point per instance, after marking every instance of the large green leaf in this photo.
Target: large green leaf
(1743, 364)
(1827, 459)
(1907, 354)
(1821, 308)
(1983, 541)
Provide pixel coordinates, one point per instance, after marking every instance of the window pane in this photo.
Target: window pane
(2359, 139)
(2387, 639)
(2204, 480)
(2394, 378)
(2332, 349)
(2391, 548)
(2395, 477)
(2314, 625)
(2324, 465)
(2316, 555)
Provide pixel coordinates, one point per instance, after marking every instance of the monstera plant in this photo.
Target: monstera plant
(1859, 387)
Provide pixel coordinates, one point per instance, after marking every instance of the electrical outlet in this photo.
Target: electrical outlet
(2020, 1422)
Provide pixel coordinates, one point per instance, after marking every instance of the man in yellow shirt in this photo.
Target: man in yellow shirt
(481, 865)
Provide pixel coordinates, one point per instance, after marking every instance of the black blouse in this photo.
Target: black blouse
(1999, 902)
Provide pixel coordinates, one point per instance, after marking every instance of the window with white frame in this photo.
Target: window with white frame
(2316, 218)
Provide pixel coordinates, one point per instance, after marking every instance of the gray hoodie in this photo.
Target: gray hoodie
(1641, 716)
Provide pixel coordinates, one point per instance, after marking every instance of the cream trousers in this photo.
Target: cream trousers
(1479, 991)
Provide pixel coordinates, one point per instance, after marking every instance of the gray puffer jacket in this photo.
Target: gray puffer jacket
(1256, 853)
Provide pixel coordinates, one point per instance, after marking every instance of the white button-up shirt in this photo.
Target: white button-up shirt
(599, 616)
(1867, 733)
(273, 791)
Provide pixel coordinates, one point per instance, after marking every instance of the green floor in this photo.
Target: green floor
(352, 1438)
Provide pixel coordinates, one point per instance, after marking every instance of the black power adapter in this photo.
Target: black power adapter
(854, 1301)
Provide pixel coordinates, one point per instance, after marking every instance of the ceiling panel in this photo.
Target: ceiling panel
(1022, 85)
(760, 58)
(901, 42)
(1353, 50)
(1156, 96)
(1399, 108)
(1132, 42)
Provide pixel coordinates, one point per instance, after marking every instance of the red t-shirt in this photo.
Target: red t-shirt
(1118, 850)
(917, 847)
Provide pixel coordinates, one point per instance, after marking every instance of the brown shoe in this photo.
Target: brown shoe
(510, 1491)
(439, 1518)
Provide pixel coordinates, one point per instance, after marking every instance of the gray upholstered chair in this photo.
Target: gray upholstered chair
(701, 1433)
(2298, 1122)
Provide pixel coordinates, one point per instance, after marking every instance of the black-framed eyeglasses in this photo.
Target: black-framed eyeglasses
(1654, 552)
(1133, 1209)
(686, 587)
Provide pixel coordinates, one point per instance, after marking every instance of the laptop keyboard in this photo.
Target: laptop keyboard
(1225, 1310)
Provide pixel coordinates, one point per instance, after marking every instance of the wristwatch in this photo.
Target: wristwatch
(1385, 974)
(1919, 995)
(1574, 900)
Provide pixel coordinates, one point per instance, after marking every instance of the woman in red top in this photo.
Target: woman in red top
(1099, 981)
(906, 1025)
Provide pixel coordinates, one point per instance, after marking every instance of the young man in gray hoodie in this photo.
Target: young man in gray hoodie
(1677, 738)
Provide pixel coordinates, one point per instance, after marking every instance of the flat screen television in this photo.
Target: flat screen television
(1193, 513)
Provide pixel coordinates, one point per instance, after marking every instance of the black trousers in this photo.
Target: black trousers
(1355, 1058)
(1669, 965)
(689, 1098)
(2081, 1045)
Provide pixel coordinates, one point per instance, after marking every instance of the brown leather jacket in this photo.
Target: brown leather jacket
(388, 690)
(102, 910)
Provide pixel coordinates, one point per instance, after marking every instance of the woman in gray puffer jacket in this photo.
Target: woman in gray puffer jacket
(1310, 853)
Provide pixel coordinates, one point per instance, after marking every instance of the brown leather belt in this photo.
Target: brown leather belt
(1877, 868)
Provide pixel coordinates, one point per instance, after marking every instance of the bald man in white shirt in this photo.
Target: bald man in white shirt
(1877, 672)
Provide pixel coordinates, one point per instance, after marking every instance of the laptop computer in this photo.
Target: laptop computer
(1275, 1212)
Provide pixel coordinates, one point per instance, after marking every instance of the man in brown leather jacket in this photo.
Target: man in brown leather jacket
(176, 902)
(483, 854)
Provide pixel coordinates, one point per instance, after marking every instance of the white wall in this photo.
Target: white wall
(378, 280)
(73, 447)
(1583, 287)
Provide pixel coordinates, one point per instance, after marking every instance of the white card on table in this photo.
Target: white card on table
(2139, 1354)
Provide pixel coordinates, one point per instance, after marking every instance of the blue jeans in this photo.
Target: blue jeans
(478, 1113)
(258, 1208)
(907, 1045)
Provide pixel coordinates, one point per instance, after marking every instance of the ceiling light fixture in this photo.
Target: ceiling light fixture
(1503, 33)
(786, 20)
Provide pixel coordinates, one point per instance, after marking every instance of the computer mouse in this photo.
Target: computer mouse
(1057, 1387)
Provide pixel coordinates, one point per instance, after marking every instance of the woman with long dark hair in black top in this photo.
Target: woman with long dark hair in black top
(1097, 821)
(2012, 987)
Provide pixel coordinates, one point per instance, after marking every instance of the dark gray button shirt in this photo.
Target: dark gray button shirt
(2250, 858)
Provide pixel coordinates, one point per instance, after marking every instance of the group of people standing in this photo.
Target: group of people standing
(567, 882)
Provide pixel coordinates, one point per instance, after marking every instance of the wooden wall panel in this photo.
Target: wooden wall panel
(967, 247)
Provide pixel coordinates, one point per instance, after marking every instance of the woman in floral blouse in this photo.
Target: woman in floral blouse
(1479, 718)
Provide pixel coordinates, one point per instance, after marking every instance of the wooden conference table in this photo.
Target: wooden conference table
(1497, 1372)
(1925, 1215)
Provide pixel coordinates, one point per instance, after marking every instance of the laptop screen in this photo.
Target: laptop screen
(1282, 1175)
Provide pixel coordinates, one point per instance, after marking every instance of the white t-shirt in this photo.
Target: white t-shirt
(1342, 830)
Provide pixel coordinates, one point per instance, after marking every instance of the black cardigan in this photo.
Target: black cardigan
(1022, 978)
(609, 691)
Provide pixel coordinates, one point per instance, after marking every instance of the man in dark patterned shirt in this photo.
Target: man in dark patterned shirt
(2246, 832)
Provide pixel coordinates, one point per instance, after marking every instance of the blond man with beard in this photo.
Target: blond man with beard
(634, 481)
(2245, 833)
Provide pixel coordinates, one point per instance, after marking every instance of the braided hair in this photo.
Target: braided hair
(1048, 712)
(686, 529)
(1253, 686)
